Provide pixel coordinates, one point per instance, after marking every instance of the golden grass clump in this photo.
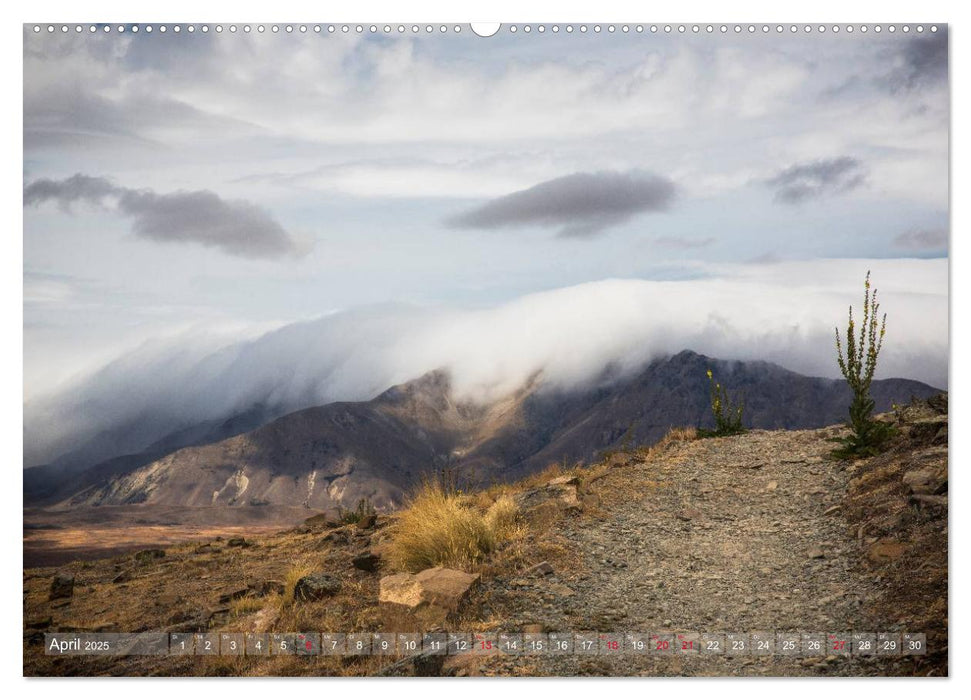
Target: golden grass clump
(447, 529)
(502, 518)
(294, 574)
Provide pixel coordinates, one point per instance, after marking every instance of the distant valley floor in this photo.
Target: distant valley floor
(56, 536)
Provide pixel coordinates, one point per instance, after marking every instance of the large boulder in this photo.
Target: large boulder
(438, 587)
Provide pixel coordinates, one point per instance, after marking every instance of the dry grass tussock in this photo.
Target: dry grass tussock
(439, 528)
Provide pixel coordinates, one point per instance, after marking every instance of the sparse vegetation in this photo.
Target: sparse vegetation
(294, 574)
(247, 605)
(867, 436)
(439, 528)
(363, 510)
(727, 413)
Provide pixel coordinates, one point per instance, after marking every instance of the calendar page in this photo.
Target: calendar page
(546, 349)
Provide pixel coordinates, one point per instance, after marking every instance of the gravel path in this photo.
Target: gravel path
(719, 535)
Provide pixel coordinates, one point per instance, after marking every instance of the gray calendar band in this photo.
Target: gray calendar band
(756, 643)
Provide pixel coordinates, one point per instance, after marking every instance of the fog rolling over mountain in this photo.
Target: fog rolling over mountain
(335, 454)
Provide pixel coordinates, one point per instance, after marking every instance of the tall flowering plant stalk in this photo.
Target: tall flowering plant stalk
(728, 415)
(858, 364)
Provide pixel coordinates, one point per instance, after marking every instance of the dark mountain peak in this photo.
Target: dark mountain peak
(432, 389)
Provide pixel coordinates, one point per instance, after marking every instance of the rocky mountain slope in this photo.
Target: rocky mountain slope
(762, 530)
(336, 454)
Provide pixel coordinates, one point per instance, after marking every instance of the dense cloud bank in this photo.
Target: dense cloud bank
(783, 312)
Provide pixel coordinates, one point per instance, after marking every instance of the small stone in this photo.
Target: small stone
(62, 586)
(544, 568)
(316, 586)
(238, 542)
(772, 486)
(817, 553)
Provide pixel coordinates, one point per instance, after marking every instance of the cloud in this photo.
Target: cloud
(818, 178)
(921, 62)
(783, 313)
(236, 227)
(683, 242)
(933, 239)
(581, 205)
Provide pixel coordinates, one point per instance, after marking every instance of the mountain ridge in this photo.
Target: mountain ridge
(333, 455)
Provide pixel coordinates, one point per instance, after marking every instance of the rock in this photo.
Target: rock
(886, 550)
(833, 509)
(123, 577)
(688, 514)
(566, 480)
(535, 628)
(817, 553)
(558, 589)
(316, 586)
(62, 586)
(772, 486)
(367, 561)
(148, 555)
(204, 549)
(440, 587)
(367, 521)
(544, 568)
(238, 542)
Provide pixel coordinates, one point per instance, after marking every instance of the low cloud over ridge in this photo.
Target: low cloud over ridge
(236, 227)
(581, 205)
(783, 312)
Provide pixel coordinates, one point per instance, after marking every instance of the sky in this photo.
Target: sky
(186, 193)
